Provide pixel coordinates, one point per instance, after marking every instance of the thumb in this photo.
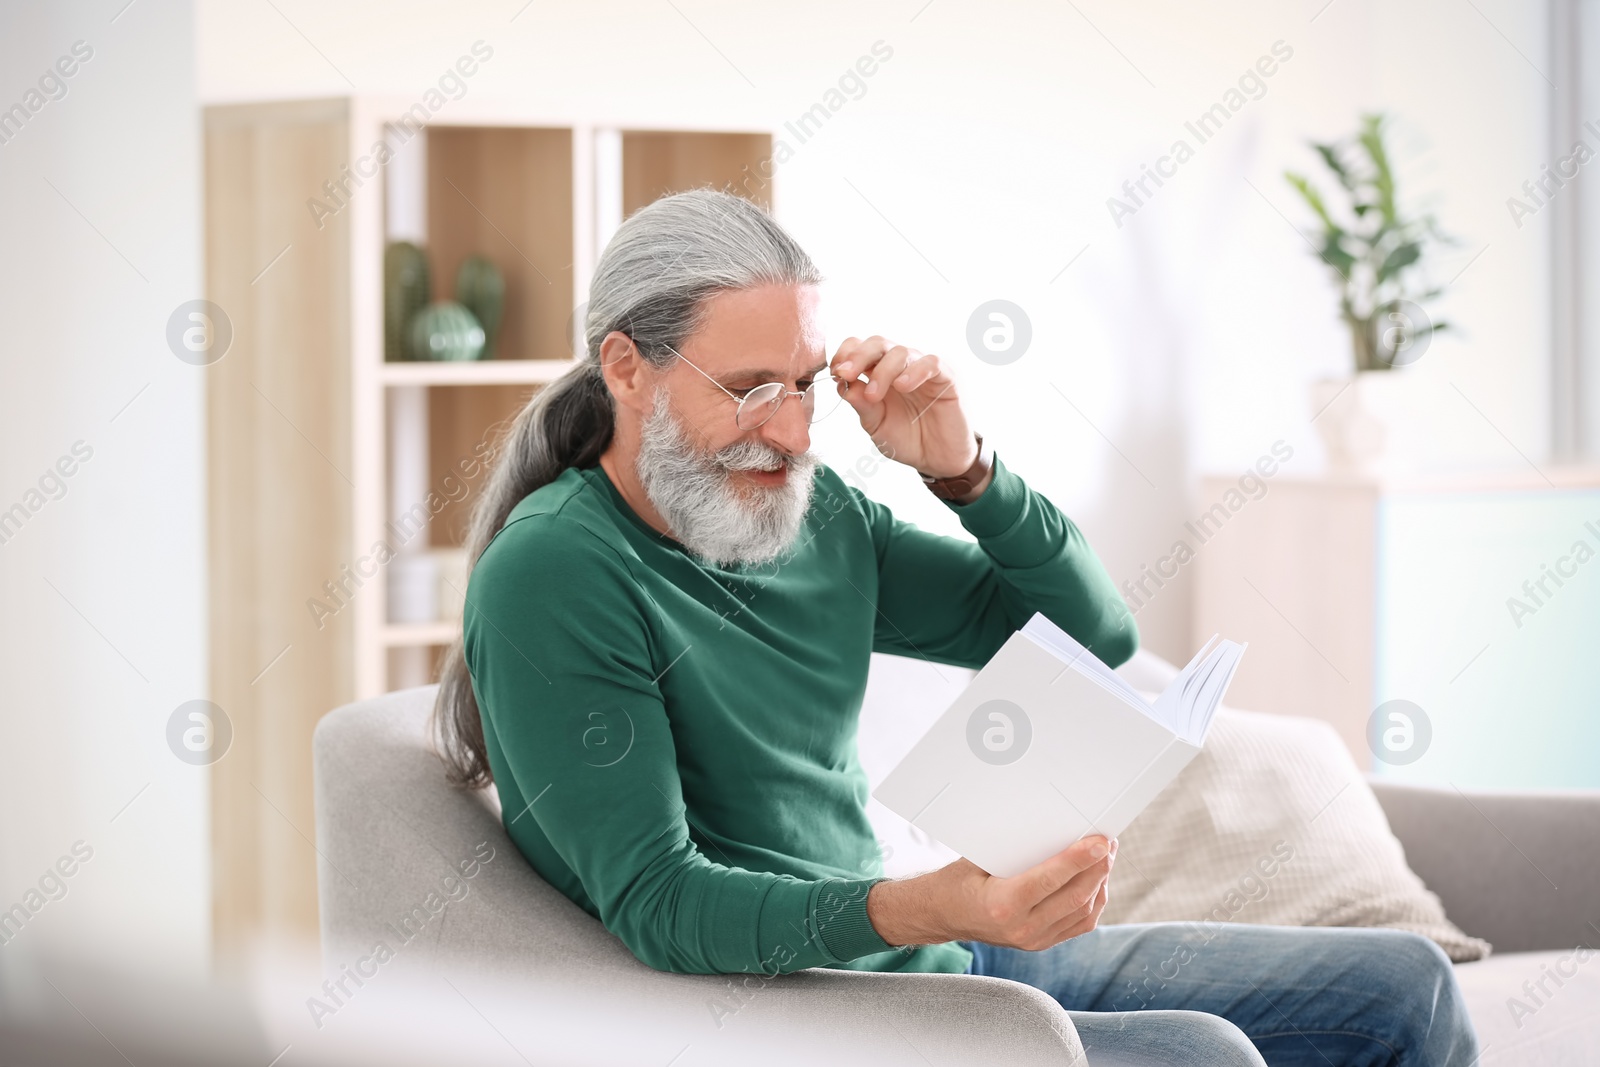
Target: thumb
(1039, 882)
(869, 411)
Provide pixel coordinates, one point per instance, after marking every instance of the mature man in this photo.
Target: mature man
(665, 650)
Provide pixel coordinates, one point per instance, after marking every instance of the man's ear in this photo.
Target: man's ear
(628, 375)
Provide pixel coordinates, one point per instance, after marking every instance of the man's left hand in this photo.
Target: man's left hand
(907, 403)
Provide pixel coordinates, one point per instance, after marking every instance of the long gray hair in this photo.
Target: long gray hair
(651, 283)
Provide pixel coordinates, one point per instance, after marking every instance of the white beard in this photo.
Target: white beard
(694, 492)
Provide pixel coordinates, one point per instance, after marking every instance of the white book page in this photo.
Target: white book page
(1171, 707)
(1195, 696)
(1216, 685)
(1187, 705)
(1197, 701)
(1079, 658)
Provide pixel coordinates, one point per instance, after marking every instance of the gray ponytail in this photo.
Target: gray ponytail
(651, 283)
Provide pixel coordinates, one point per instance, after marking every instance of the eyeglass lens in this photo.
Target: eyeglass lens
(763, 402)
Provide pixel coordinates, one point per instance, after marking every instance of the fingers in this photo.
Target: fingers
(1063, 893)
(855, 356)
(1081, 921)
(1057, 899)
(1036, 884)
(920, 371)
(886, 370)
(869, 370)
(871, 412)
(852, 360)
(1070, 912)
(885, 365)
(1076, 896)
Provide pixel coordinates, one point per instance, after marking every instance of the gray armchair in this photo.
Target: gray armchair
(403, 857)
(390, 830)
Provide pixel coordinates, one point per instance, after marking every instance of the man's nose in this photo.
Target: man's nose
(789, 430)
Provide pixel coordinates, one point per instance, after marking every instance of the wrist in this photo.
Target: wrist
(906, 912)
(977, 490)
(968, 485)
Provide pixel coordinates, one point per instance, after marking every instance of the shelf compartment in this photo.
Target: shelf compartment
(506, 193)
(658, 162)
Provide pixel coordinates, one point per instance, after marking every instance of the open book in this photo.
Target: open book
(1048, 744)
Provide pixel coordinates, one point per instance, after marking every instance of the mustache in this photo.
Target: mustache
(754, 455)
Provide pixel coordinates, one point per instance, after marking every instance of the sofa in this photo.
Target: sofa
(406, 859)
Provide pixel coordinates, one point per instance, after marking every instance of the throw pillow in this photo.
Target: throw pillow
(1273, 823)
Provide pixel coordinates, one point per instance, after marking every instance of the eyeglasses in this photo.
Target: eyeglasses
(761, 403)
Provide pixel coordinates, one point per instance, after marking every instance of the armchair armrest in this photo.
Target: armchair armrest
(456, 1010)
(1521, 870)
(916, 1019)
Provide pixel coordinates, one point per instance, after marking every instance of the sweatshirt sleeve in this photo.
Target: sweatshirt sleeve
(572, 699)
(956, 602)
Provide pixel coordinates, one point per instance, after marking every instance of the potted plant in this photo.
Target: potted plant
(1376, 255)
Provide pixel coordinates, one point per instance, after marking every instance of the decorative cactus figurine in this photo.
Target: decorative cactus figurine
(447, 331)
(481, 289)
(405, 292)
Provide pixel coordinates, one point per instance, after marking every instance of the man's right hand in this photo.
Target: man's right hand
(1044, 906)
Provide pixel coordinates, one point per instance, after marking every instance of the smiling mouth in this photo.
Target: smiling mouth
(776, 476)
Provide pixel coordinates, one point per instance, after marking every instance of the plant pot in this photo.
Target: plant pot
(1357, 417)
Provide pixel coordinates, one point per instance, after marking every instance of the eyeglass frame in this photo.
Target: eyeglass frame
(784, 392)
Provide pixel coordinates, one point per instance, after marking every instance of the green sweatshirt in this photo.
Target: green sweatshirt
(675, 743)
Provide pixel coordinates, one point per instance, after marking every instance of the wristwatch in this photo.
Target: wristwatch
(961, 484)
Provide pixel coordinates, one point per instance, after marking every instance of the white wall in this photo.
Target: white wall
(978, 163)
(102, 633)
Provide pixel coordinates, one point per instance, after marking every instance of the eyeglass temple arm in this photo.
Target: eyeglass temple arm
(703, 374)
(787, 392)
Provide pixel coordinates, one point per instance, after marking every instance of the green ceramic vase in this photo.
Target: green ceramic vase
(405, 292)
(445, 330)
(481, 289)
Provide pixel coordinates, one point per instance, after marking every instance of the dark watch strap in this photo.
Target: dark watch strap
(961, 484)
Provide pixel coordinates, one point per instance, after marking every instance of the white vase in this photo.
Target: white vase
(1355, 417)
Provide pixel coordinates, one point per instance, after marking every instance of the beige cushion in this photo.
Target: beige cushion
(1273, 823)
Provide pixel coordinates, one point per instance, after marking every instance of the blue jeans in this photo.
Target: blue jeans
(1229, 993)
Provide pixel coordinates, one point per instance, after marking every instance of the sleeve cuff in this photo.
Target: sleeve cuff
(998, 508)
(842, 923)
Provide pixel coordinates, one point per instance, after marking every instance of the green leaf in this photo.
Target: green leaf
(1371, 138)
(1330, 156)
(1312, 197)
(1334, 254)
(1398, 260)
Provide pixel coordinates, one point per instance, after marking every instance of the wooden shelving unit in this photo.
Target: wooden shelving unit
(304, 440)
